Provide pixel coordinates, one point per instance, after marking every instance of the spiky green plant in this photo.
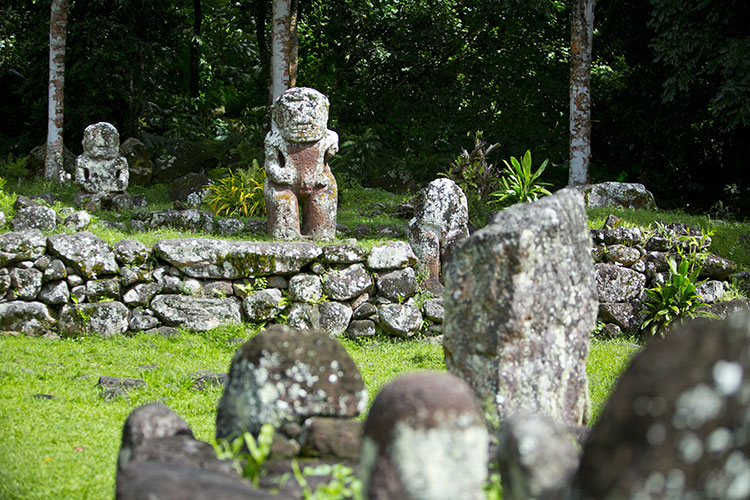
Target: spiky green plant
(519, 184)
(240, 192)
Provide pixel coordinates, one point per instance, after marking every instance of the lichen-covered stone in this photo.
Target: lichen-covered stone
(331, 317)
(710, 291)
(102, 318)
(520, 305)
(31, 318)
(676, 424)
(263, 305)
(228, 227)
(37, 217)
(18, 246)
(55, 292)
(394, 255)
(283, 376)
(401, 320)
(361, 328)
(141, 294)
(305, 288)
(142, 320)
(131, 252)
(537, 458)
(97, 290)
(78, 221)
(27, 283)
(623, 255)
(717, 268)
(347, 283)
(425, 438)
(344, 254)
(87, 254)
(440, 221)
(617, 194)
(398, 285)
(434, 310)
(626, 315)
(208, 258)
(196, 313)
(618, 284)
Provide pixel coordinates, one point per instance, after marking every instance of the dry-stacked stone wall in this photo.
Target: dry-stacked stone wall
(78, 283)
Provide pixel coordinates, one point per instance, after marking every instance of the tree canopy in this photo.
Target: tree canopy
(408, 81)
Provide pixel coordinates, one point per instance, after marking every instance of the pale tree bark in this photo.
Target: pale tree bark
(283, 47)
(581, 34)
(53, 162)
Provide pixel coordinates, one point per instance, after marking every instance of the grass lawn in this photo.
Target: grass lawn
(67, 447)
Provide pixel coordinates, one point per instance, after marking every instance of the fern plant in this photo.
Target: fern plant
(247, 453)
(677, 297)
(519, 184)
(239, 192)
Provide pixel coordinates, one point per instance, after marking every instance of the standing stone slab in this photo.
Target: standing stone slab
(678, 422)
(283, 376)
(24, 245)
(425, 439)
(196, 313)
(218, 259)
(520, 304)
(88, 254)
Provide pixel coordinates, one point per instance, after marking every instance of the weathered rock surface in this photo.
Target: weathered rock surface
(425, 438)
(618, 284)
(398, 285)
(196, 313)
(263, 305)
(195, 221)
(343, 254)
(394, 255)
(88, 254)
(520, 305)
(18, 246)
(537, 458)
(401, 320)
(305, 288)
(38, 217)
(207, 258)
(31, 318)
(617, 194)
(283, 376)
(676, 425)
(332, 438)
(347, 283)
(101, 318)
(131, 252)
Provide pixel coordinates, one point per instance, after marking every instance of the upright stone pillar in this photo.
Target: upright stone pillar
(520, 304)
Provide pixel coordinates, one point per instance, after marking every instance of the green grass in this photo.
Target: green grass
(67, 447)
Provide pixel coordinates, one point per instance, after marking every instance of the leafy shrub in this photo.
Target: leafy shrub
(476, 176)
(6, 200)
(13, 168)
(519, 184)
(239, 192)
(344, 484)
(247, 454)
(677, 297)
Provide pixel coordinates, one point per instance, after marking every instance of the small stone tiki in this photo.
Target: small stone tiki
(100, 169)
(298, 176)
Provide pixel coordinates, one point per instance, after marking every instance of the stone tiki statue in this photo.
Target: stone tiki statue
(297, 152)
(101, 170)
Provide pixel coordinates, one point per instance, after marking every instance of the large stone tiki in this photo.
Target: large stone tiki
(100, 169)
(297, 152)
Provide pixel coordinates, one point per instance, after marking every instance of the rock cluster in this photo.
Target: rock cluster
(628, 261)
(77, 283)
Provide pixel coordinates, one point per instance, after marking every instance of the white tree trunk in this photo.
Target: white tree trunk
(53, 162)
(581, 34)
(281, 34)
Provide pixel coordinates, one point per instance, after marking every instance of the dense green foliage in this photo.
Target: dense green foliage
(240, 192)
(519, 184)
(407, 81)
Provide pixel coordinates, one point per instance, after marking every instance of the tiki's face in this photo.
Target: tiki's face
(101, 140)
(301, 115)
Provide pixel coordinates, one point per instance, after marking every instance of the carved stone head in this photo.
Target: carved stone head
(101, 140)
(301, 114)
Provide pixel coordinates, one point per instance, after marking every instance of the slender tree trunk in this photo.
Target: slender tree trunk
(581, 34)
(293, 42)
(281, 52)
(194, 50)
(53, 162)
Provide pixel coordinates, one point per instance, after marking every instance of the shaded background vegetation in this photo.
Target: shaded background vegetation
(408, 80)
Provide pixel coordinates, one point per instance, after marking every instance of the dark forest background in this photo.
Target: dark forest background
(410, 83)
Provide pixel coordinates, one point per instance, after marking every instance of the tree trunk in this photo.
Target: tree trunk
(581, 34)
(281, 48)
(260, 14)
(194, 50)
(53, 162)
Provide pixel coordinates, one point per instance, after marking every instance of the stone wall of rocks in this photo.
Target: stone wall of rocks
(78, 283)
(629, 260)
